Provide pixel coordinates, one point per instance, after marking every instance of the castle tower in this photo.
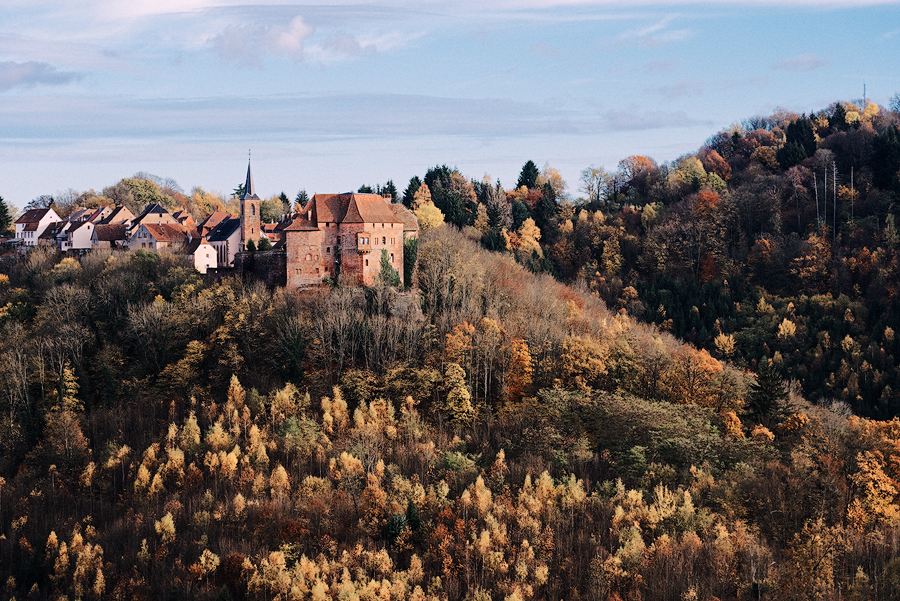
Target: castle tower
(249, 212)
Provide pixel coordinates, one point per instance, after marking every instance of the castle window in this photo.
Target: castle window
(327, 249)
(367, 262)
(253, 210)
(383, 241)
(392, 257)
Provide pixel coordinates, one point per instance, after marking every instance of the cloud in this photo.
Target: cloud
(32, 73)
(342, 45)
(656, 34)
(661, 67)
(679, 89)
(804, 62)
(637, 121)
(248, 43)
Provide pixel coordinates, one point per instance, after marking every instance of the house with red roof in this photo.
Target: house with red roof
(344, 236)
(32, 224)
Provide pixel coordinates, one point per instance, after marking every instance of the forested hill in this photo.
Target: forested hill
(495, 435)
(776, 240)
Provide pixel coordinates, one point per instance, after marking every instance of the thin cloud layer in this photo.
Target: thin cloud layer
(804, 62)
(32, 73)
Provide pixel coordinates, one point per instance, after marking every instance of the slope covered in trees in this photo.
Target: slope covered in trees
(776, 241)
(500, 436)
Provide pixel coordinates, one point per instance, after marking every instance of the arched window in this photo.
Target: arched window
(253, 210)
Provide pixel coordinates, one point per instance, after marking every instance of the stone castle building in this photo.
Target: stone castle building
(337, 236)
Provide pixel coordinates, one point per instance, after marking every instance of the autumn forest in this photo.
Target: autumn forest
(671, 381)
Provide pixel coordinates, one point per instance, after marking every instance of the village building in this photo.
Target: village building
(157, 236)
(32, 224)
(119, 215)
(78, 235)
(154, 213)
(110, 235)
(336, 236)
(184, 218)
(202, 254)
(226, 239)
(344, 236)
(214, 219)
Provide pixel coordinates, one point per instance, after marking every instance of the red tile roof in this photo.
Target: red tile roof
(32, 216)
(110, 232)
(169, 232)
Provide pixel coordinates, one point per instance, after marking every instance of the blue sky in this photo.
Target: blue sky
(336, 94)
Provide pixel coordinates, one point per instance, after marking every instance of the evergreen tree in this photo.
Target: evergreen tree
(520, 213)
(528, 176)
(767, 401)
(264, 243)
(410, 256)
(388, 275)
(886, 157)
(838, 120)
(302, 198)
(365, 189)
(546, 211)
(390, 188)
(411, 190)
(5, 218)
(789, 155)
(251, 246)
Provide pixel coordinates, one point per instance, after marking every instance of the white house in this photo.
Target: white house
(226, 239)
(202, 254)
(79, 236)
(32, 224)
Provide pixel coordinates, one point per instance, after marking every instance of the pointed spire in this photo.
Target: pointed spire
(249, 191)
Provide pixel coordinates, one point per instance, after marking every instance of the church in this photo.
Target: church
(338, 236)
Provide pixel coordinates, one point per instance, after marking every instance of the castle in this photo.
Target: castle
(337, 236)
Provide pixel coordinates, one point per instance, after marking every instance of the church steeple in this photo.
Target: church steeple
(249, 188)
(250, 212)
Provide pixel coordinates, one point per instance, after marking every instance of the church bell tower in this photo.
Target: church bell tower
(249, 212)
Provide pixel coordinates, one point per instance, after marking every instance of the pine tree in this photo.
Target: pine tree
(411, 190)
(767, 401)
(528, 176)
(5, 218)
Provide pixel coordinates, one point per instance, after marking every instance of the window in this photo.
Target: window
(367, 262)
(392, 257)
(309, 257)
(253, 209)
(327, 249)
(383, 241)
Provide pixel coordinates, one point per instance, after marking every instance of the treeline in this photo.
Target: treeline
(494, 435)
(776, 240)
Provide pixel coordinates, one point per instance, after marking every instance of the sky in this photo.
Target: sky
(330, 96)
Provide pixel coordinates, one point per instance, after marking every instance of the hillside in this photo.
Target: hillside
(508, 437)
(775, 242)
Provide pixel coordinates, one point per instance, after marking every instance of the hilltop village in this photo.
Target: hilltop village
(334, 236)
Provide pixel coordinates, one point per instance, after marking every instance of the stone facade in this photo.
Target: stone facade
(343, 236)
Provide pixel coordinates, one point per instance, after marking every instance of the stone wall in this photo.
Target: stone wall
(269, 266)
(363, 267)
